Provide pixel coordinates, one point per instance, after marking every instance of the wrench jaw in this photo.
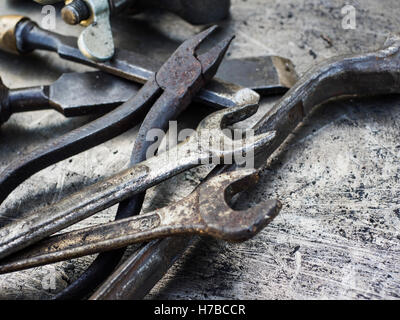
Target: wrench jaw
(221, 220)
(216, 144)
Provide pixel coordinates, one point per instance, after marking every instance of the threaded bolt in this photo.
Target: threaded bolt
(75, 12)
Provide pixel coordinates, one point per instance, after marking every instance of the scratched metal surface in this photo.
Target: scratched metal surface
(337, 236)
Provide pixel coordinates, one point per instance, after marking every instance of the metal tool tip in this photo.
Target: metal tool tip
(211, 60)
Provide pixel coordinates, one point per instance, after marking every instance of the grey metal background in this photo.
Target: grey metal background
(337, 236)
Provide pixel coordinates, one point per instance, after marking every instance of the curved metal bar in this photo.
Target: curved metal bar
(370, 74)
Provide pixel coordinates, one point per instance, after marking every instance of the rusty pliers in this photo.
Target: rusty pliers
(174, 85)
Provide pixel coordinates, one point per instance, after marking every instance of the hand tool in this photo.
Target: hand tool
(101, 93)
(198, 213)
(244, 96)
(369, 74)
(195, 71)
(20, 35)
(96, 41)
(207, 144)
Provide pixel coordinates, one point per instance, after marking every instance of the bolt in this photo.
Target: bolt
(75, 12)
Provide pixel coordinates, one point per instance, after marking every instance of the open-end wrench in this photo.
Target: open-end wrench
(207, 144)
(206, 212)
(20, 35)
(368, 74)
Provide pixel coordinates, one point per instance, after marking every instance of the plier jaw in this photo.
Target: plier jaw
(185, 71)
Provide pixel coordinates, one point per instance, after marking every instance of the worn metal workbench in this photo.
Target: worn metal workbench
(338, 233)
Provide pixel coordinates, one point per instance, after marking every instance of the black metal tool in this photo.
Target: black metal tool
(369, 74)
(20, 35)
(101, 92)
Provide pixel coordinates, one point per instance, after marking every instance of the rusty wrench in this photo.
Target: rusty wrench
(207, 144)
(368, 74)
(174, 86)
(198, 213)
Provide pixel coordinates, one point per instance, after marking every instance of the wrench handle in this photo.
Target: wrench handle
(104, 237)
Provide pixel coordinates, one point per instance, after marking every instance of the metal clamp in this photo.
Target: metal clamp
(96, 41)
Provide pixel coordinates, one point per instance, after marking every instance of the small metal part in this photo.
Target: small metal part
(75, 12)
(198, 213)
(96, 41)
